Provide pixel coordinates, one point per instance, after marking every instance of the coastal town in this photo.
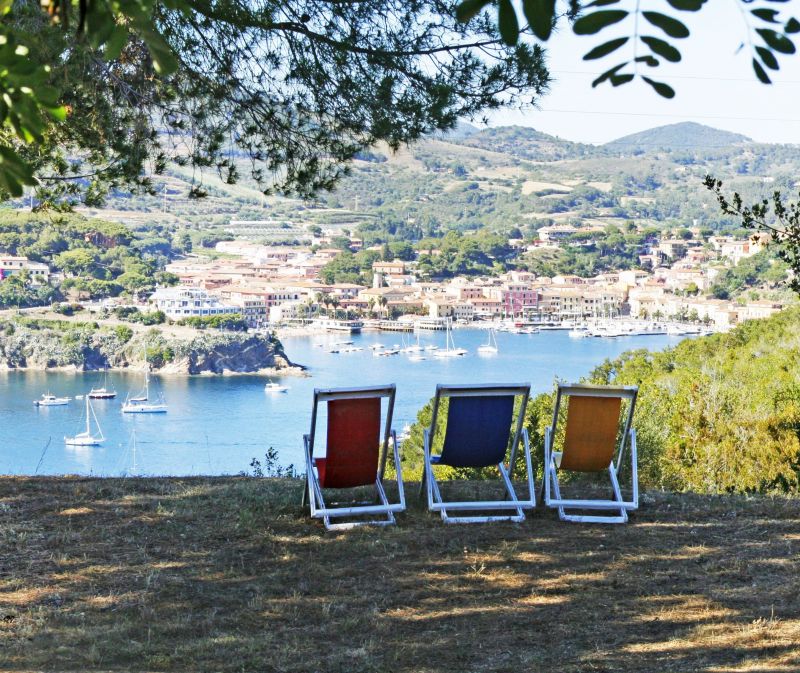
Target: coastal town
(279, 285)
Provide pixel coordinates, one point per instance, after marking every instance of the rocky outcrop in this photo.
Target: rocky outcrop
(89, 346)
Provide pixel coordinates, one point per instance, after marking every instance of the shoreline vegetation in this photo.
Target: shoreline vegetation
(97, 577)
(55, 344)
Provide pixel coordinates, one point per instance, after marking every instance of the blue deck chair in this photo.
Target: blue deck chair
(591, 445)
(479, 433)
(355, 455)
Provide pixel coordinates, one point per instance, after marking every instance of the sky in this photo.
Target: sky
(714, 84)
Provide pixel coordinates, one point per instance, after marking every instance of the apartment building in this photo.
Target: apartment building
(186, 302)
(11, 265)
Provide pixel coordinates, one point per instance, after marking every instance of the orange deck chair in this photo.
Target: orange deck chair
(593, 442)
(355, 455)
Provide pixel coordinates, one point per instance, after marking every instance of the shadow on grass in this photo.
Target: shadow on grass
(230, 575)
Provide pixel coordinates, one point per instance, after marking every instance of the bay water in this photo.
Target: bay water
(217, 425)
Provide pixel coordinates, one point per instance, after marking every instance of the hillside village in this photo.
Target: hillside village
(482, 224)
(278, 285)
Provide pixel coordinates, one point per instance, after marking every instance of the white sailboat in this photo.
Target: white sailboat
(450, 350)
(490, 347)
(103, 393)
(141, 404)
(86, 438)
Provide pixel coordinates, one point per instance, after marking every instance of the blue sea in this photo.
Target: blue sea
(217, 425)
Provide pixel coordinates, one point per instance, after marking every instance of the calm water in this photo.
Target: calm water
(217, 425)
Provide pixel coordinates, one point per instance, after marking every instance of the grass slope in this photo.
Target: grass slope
(229, 574)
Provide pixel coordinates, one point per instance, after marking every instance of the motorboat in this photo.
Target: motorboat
(49, 400)
(86, 438)
(273, 387)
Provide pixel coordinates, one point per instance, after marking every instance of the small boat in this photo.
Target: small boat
(450, 350)
(416, 358)
(405, 433)
(272, 387)
(86, 438)
(578, 333)
(103, 393)
(490, 347)
(49, 400)
(141, 404)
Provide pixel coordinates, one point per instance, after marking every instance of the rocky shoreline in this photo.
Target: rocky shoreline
(68, 346)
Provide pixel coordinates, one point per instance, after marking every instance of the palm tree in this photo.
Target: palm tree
(382, 302)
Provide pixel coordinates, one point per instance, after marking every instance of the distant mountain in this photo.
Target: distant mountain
(461, 131)
(681, 136)
(526, 143)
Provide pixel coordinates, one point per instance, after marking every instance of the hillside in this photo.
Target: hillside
(501, 178)
(526, 143)
(681, 136)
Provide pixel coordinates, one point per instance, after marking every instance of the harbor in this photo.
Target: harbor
(217, 425)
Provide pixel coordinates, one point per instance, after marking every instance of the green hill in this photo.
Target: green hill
(681, 136)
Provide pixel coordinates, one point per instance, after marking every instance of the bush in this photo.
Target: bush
(229, 321)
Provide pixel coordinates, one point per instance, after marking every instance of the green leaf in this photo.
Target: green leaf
(761, 73)
(661, 48)
(164, 60)
(776, 41)
(58, 113)
(507, 22)
(617, 80)
(648, 60)
(541, 16)
(596, 21)
(605, 49)
(469, 9)
(670, 26)
(687, 5)
(663, 90)
(768, 57)
(601, 3)
(14, 172)
(608, 73)
(766, 14)
(116, 42)
(792, 26)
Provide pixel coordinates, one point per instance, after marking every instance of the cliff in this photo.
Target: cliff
(40, 344)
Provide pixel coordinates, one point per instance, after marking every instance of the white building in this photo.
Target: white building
(11, 265)
(187, 302)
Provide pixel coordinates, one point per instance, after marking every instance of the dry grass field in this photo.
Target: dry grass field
(228, 574)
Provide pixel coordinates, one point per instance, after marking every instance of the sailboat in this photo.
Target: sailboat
(86, 438)
(490, 347)
(141, 404)
(450, 350)
(103, 393)
(413, 348)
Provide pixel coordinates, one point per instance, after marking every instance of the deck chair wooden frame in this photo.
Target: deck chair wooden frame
(451, 511)
(617, 508)
(314, 485)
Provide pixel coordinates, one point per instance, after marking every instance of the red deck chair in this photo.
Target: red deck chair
(355, 455)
